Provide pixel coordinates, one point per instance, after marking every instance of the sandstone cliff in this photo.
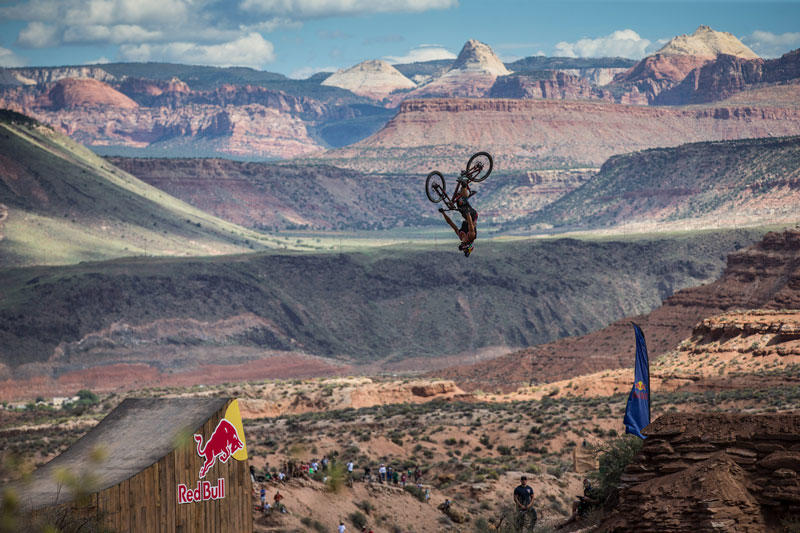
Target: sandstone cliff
(552, 85)
(530, 134)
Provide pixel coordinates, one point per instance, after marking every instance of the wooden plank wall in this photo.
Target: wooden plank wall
(148, 502)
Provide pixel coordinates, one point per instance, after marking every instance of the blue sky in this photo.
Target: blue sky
(300, 37)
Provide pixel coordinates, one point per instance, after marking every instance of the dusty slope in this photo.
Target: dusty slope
(63, 204)
(762, 276)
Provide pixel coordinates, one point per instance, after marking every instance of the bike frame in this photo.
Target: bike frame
(466, 176)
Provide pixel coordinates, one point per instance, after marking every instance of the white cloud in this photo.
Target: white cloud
(249, 51)
(272, 24)
(38, 35)
(329, 8)
(306, 72)
(621, 43)
(768, 44)
(424, 52)
(9, 59)
(118, 34)
(130, 21)
(99, 61)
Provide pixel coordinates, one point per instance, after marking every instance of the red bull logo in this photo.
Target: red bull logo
(222, 444)
(640, 385)
(226, 441)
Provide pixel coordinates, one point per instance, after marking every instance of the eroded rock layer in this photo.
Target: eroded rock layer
(713, 472)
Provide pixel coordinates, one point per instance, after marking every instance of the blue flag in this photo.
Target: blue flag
(637, 412)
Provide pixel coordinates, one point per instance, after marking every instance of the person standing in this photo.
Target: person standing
(526, 514)
(341, 527)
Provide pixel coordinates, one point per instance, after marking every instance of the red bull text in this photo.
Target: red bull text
(204, 492)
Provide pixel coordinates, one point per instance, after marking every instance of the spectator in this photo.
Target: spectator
(389, 474)
(526, 514)
(427, 494)
(252, 473)
(395, 477)
(341, 527)
(367, 473)
(263, 496)
(403, 480)
(382, 473)
(583, 504)
(350, 466)
(417, 474)
(278, 505)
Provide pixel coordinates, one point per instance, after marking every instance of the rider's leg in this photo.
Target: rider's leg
(452, 224)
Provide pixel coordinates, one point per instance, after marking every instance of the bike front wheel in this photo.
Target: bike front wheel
(434, 186)
(479, 166)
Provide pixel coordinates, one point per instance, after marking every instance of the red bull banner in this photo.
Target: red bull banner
(225, 442)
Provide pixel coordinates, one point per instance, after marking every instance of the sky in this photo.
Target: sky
(300, 37)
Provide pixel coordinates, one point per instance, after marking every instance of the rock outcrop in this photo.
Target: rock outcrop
(553, 85)
(705, 42)
(70, 93)
(728, 75)
(472, 75)
(712, 472)
(674, 61)
(373, 79)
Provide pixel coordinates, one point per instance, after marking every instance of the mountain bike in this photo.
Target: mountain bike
(479, 166)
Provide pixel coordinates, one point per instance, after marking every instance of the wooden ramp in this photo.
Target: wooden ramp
(140, 462)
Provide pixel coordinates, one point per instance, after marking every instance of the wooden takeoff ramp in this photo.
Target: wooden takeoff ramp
(142, 466)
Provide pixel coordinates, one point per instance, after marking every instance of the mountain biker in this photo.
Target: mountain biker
(467, 232)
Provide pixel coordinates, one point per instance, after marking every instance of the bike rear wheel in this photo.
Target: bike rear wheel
(479, 166)
(434, 186)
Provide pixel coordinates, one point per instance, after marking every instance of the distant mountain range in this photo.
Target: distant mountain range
(158, 109)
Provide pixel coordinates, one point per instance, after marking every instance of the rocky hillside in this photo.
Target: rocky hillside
(694, 185)
(61, 203)
(255, 316)
(713, 471)
(532, 134)
(766, 275)
(322, 197)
